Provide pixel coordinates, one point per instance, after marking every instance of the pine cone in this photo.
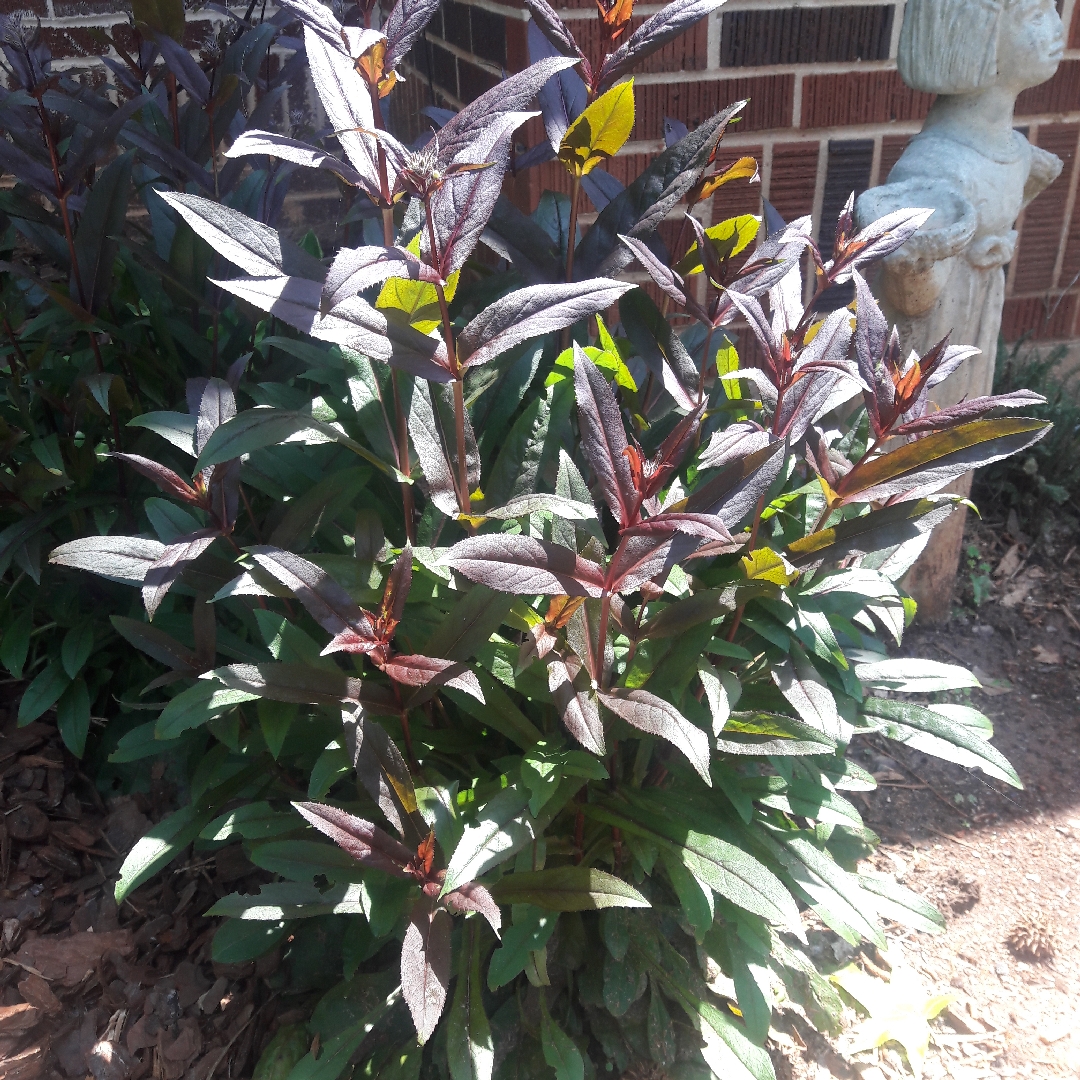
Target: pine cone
(1031, 938)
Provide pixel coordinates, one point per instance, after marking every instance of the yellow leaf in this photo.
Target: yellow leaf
(728, 239)
(744, 169)
(727, 361)
(600, 131)
(605, 359)
(417, 299)
(764, 564)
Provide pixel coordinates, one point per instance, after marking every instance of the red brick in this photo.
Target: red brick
(473, 80)
(794, 178)
(1044, 220)
(1060, 94)
(1042, 318)
(892, 146)
(737, 196)
(868, 97)
(693, 102)
(1074, 30)
(688, 52)
(64, 8)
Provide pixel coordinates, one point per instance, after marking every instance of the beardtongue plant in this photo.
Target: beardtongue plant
(583, 768)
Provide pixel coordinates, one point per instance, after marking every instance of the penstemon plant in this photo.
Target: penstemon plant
(581, 759)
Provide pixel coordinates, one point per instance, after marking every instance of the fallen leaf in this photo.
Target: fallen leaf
(990, 686)
(1010, 562)
(1046, 656)
(17, 1019)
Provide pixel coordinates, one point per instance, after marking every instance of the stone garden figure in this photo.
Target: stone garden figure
(978, 173)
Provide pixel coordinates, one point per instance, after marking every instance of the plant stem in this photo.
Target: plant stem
(571, 237)
(174, 112)
(704, 362)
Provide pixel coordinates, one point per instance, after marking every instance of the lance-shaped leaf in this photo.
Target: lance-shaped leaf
(475, 897)
(119, 558)
(876, 531)
(807, 693)
(385, 776)
(161, 575)
(879, 239)
(734, 492)
(639, 559)
(524, 505)
(707, 526)
(666, 278)
(212, 403)
(156, 643)
(639, 209)
(652, 714)
(871, 342)
(563, 97)
(972, 409)
(531, 312)
(258, 143)
(522, 242)
(403, 27)
(356, 269)
(470, 1051)
(428, 670)
(653, 34)
(327, 602)
(927, 465)
(579, 711)
(298, 301)
(514, 94)
(164, 477)
(184, 66)
(548, 22)
(660, 347)
(256, 248)
(365, 842)
(425, 965)
(604, 438)
(600, 131)
(305, 685)
(428, 443)
(523, 565)
(102, 219)
(568, 888)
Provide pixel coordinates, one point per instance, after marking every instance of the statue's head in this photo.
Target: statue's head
(959, 46)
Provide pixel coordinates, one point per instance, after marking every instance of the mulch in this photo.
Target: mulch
(90, 989)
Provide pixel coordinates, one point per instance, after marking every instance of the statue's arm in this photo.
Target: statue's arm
(913, 277)
(1045, 169)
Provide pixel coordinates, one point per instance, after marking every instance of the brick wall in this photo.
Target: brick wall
(827, 111)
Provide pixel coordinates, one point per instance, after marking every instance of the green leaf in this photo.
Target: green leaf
(910, 675)
(196, 705)
(275, 719)
(469, 1048)
(77, 647)
(177, 428)
(469, 624)
(663, 1045)
(696, 899)
(238, 940)
(567, 888)
(500, 829)
(530, 933)
(559, 1049)
(895, 902)
(43, 693)
(73, 716)
(289, 1044)
(330, 766)
(101, 221)
(16, 643)
(599, 133)
(161, 844)
(938, 734)
(304, 860)
(336, 1053)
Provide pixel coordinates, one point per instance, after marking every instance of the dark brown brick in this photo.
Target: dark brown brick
(1044, 220)
(737, 196)
(473, 80)
(892, 146)
(1074, 30)
(688, 52)
(435, 26)
(457, 24)
(442, 68)
(1060, 94)
(693, 102)
(65, 8)
(805, 35)
(626, 168)
(864, 97)
(794, 177)
(517, 47)
(1042, 318)
(489, 36)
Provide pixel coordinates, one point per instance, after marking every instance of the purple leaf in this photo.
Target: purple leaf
(737, 441)
(547, 22)
(165, 478)
(212, 403)
(564, 96)
(255, 248)
(425, 965)
(365, 842)
(871, 344)
(354, 323)
(306, 685)
(579, 712)
(404, 26)
(318, 18)
(878, 239)
(733, 493)
(356, 269)
(674, 131)
(706, 526)
(428, 670)
(520, 564)
(257, 143)
(118, 558)
(511, 95)
(759, 324)
(639, 559)
(603, 438)
(428, 444)
(532, 312)
(182, 64)
(971, 409)
(474, 897)
(653, 34)
(161, 575)
(601, 187)
(663, 275)
(652, 714)
(326, 601)
(385, 776)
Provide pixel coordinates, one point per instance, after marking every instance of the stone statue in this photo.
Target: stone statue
(978, 174)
